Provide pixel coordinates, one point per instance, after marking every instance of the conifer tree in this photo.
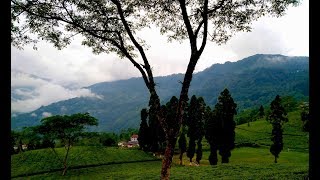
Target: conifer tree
(220, 128)
(305, 117)
(191, 123)
(261, 111)
(195, 123)
(143, 137)
(182, 144)
(277, 117)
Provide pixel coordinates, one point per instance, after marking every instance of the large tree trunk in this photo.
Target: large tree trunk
(167, 160)
(166, 163)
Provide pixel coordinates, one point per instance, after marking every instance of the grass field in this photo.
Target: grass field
(90, 162)
(245, 163)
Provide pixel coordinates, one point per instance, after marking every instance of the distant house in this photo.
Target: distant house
(134, 137)
(132, 143)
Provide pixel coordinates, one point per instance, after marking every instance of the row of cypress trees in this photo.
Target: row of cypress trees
(199, 121)
(216, 125)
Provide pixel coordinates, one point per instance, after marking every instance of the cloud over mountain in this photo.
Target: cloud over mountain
(29, 92)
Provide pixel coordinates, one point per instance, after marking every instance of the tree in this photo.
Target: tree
(108, 139)
(201, 105)
(195, 123)
(156, 133)
(277, 117)
(191, 122)
(143, 137)
(261, 111)
(110, 26)
(182, 144)
(220, 128)
(67, 129)
(305, 117)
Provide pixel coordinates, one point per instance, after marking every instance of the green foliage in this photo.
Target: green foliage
(289, 103)
(108, 139)
(126, 134)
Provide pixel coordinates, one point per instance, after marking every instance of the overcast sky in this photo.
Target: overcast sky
(76, 66)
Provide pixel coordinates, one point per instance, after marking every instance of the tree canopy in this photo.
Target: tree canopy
(67, 129)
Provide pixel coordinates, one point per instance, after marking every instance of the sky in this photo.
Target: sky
(52, 75)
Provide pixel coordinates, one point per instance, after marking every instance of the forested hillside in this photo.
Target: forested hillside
(252, 82)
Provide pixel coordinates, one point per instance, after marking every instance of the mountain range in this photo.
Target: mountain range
(252, 81)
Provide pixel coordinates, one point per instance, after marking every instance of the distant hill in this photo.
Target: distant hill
(252, 81)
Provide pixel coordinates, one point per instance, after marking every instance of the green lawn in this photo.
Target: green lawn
(43, 160)
(245, 163)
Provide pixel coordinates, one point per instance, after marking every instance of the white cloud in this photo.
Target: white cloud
(43, 92)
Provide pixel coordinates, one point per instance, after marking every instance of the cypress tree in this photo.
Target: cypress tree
(211, 134)
(277, 117)
(154, 127)
(261, 111)
(191, 123)
(305, 117)
(143, 131)
(195, 123)
(182, 144)
(201, 107)
(220, 128)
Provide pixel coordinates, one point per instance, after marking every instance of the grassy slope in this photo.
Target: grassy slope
(259, 132)
(245, 162)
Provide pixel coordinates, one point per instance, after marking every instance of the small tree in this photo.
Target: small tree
(305, 117)
(108, 139)
(143, 137)
(261, 111)
(67, 129)
(277, 117)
